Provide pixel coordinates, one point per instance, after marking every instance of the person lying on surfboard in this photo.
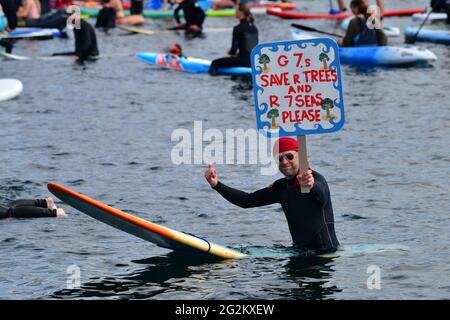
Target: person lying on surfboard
(194, 16)
(343, 7)
(309, 215)
(245, 38)
(31, 208)
(358, 33)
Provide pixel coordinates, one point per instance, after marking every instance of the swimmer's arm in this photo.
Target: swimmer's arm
(243, 199)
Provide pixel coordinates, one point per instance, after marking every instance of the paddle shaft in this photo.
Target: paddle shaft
(413, 39)
(306, 28)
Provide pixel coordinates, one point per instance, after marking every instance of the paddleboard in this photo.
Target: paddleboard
(387, 56)
(152, 32)
(427, 35)
(434, 17)
(152, 232)
(168, 14)
(18, 57)
(186, 64)
(388, 30)
(343, 15)
(347, 250)
(33, 33)
(9, 89)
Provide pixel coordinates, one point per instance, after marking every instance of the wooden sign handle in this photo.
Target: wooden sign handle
(302, 159)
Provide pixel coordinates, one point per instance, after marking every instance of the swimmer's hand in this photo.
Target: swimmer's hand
(307, 179)
(211, 176)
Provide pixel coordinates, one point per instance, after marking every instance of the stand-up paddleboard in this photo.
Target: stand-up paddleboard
(9, 89)
(186, 64)
(152, 32)
(159, 235)
(343, 15)
(168, 14)
(33, 33)
(387, 56)
(388, 30)
(22, 58)
(427, 35)
(434, 17)
(347, 250)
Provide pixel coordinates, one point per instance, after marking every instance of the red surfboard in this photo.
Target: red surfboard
(344, 15)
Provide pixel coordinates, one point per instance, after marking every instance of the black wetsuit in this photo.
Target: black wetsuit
(85, 41)
(9, 9)
(27, 208)
(50, 20)
(193, 14)
(245, 38)
(358, 34)
(309, 215)
(137, 7)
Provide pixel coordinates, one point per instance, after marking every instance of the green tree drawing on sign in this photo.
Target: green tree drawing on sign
(272, 114)
(264, 60)
(324, 58)
(328, 104)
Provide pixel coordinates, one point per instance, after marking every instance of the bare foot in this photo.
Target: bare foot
(60, 213)
(50, 203)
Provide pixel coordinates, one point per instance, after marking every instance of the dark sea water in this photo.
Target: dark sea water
(104, 129)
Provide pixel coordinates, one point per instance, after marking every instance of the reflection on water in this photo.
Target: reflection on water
(159, 275)
(312, 275)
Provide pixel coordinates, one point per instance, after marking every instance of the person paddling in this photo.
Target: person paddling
(309, 215)
(358, 33)
(31, 208)
(245, 38)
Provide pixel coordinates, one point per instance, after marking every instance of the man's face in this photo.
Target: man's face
(288, 163)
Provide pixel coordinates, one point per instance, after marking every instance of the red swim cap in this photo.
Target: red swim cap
(175, 48)
(285, 144)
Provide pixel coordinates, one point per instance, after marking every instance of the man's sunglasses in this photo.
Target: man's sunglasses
(289, 156)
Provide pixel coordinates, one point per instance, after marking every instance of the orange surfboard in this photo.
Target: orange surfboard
(159, 235)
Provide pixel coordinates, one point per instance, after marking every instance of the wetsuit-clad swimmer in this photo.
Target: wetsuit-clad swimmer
(441, 6)
(9, 10)
(85, 41)
(245, 38)
(193, 14)
(358, 34)
(31, 208)
(309, 215)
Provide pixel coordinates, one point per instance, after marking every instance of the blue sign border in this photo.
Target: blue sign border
(288, 45)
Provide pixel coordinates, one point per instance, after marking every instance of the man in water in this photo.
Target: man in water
(309, 215)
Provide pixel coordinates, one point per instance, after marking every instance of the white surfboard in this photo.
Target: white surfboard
(9, 89)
